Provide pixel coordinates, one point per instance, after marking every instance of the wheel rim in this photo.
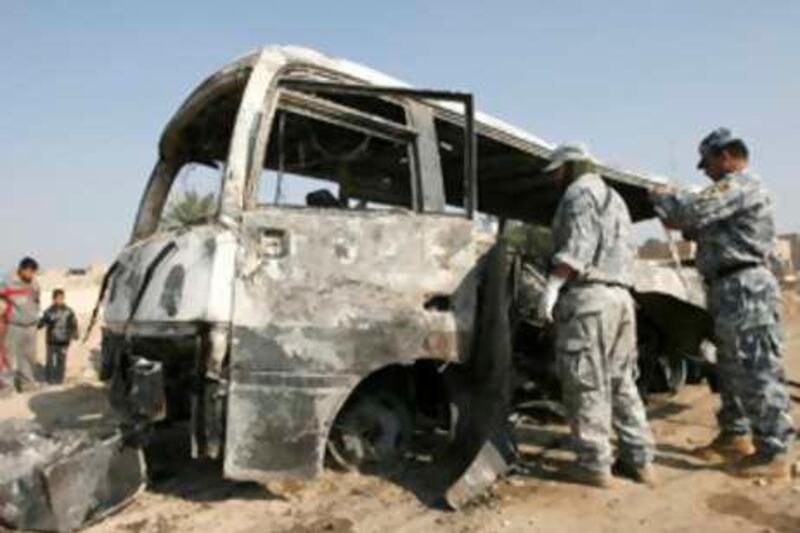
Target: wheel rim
(374, 431)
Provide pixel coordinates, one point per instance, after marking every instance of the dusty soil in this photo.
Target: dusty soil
(692, 495)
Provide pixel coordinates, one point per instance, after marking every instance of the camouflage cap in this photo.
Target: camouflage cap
(571, 151)
(716, 139)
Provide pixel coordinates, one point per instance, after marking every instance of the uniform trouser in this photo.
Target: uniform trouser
(56, 363)
(597, 359)
(21, 352)
(750, 356)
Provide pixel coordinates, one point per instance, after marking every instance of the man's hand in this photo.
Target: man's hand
(550, 296)
(546, 305)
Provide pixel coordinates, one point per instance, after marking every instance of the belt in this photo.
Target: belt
(733, 269)
(590, 282)
(22, 325)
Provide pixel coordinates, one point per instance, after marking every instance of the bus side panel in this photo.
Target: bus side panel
(323, 297)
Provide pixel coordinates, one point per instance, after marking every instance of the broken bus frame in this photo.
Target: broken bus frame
(285, 333)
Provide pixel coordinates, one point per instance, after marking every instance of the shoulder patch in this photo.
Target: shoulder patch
(719, 187)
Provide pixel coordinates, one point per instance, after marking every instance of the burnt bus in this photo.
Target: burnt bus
(312, 272)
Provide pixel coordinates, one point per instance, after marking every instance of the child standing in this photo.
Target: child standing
(62, 328)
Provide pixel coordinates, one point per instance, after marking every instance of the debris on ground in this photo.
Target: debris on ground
(60, 480)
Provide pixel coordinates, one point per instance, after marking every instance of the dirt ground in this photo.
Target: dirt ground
(691, 496)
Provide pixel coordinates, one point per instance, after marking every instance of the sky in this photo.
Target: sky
(87, 87)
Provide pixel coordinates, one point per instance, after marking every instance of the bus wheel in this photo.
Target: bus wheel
(373, 430)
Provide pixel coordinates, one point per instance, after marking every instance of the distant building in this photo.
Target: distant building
(82, 286)
(784, 267)
(794, 244)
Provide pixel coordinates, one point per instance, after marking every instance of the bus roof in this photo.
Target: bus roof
(510, 160)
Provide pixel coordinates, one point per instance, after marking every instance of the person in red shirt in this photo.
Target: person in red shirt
(20, 294)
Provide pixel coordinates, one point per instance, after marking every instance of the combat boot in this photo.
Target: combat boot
(587, 476)
(645, 474)
(765, 465)
(730, 446)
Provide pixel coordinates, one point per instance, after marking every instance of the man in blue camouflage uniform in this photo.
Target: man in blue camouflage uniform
(732, 223)
(588, 299)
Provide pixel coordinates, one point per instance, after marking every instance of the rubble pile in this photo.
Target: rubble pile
(60, 480)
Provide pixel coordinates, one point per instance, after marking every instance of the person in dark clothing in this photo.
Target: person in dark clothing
(62, 328)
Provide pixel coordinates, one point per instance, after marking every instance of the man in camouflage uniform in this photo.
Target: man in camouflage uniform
(588, 299)
(732, 223)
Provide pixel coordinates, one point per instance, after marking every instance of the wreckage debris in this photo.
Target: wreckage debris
(61, 480)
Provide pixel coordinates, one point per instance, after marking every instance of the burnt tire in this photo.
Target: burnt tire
(673, 373)
(659, 372)
(696, 372)
(373, 431)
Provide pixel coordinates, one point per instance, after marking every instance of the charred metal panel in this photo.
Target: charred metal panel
(483, 449)
(669, 300)
(431, 184)
(358, 275)
(674, 301)
(146, 394)
(278, 424)
(172, 294)
(192, 283)
(340, 294)
(684, 284)
(205, 253)
(652, 279)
